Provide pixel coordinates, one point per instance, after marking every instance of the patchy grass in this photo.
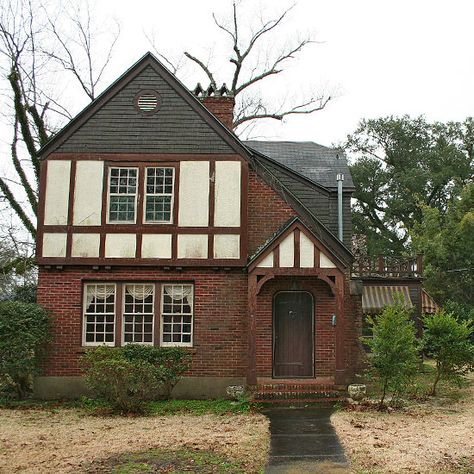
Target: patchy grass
(155, 408)
(68, 440)
(159, 460)
(428, 435)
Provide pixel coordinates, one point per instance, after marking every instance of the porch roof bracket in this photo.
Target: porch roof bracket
(269, 275)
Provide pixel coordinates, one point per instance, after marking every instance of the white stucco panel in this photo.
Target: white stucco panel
(267, 262)
(156, 246)
(227, 194)
(226, 246)
(54, 245)
(306, 251)
(193, 194)
(85, 245)
(192, 246)
(88, 192)
(287, 251)
(56, 201)
(325, 261)
(120, 245)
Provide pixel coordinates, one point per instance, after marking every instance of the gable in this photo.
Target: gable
(118, 127)
(294, 246)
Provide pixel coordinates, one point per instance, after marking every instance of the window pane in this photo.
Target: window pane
(159, 194)
(177, 301)
(122, 194)
(136, 313)
(97, 313)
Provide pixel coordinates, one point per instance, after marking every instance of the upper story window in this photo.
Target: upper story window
(159, 195)
(122, 195)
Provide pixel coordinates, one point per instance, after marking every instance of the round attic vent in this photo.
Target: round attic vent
(147, 102)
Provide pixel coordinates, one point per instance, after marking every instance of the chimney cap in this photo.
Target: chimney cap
(211, 91)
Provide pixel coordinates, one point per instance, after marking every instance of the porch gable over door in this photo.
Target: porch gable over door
(294, 246)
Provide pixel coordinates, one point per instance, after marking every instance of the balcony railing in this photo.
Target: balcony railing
(388, 267)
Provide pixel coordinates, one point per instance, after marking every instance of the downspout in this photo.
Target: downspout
(340, 179)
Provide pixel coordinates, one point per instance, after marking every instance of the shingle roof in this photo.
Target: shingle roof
(318, 163)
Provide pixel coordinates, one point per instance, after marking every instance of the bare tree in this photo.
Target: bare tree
(33, 51)
(249, 70)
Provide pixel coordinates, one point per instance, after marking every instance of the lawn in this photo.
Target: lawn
(205, 437)
(428, 435)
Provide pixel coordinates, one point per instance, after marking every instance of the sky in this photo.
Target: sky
(377, 58)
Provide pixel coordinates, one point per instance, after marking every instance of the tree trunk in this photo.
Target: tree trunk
(384, 392)
(438, 376)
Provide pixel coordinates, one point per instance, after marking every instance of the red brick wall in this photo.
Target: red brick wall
(267, 212)
(324, 308)
(220, 316)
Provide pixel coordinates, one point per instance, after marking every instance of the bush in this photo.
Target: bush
(394, 358)
(24, 332)
(447, 341)
(128, 376)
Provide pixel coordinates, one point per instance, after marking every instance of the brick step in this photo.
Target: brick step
(298, 401)
(306, 392)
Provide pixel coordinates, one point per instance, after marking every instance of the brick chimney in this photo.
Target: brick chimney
(218, 101)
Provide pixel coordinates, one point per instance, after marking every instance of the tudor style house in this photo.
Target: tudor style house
(157, 225)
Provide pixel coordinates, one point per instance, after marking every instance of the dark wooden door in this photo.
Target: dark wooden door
(293, 334)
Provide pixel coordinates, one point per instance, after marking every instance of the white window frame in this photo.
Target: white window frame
(110, 168)
(84, 316)
(124, 286)
(162, 314)
(145, 178)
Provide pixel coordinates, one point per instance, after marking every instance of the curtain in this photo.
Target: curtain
(139, 292)
(179, 292)
(99, 292)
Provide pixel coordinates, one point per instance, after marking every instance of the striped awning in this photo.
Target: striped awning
(428, 304)
(375, 297)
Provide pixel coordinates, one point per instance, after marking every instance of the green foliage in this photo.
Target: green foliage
(128, 376)
(24, 331)
(198, 407)
(402, 165)
(394, 352)
(446, 241)
(447, 341)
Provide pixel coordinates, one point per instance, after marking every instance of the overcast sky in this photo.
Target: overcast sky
(379, 57)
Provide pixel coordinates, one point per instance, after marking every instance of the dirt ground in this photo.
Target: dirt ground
(423, 439)
(34, 441)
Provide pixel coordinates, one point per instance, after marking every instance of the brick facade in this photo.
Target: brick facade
(220, 335)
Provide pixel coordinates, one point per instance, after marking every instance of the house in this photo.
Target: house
(157, 225)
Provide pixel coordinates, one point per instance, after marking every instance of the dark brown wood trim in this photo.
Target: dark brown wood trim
(296, 254)
(176, 194)
(140, 228)
(212, 197)
(119, 303)
(244, 198)
(144, 262)
(157, 315)
(139, 212)
(276, 257)
(317, 257)
(41, 209)
(103, 220)
(146, 157)
(70, 211)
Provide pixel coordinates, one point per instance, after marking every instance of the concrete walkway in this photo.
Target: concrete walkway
(304, 441)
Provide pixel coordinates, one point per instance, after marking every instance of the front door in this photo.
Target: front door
(293, 334)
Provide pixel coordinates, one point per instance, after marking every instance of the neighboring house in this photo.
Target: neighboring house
(157, 225)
